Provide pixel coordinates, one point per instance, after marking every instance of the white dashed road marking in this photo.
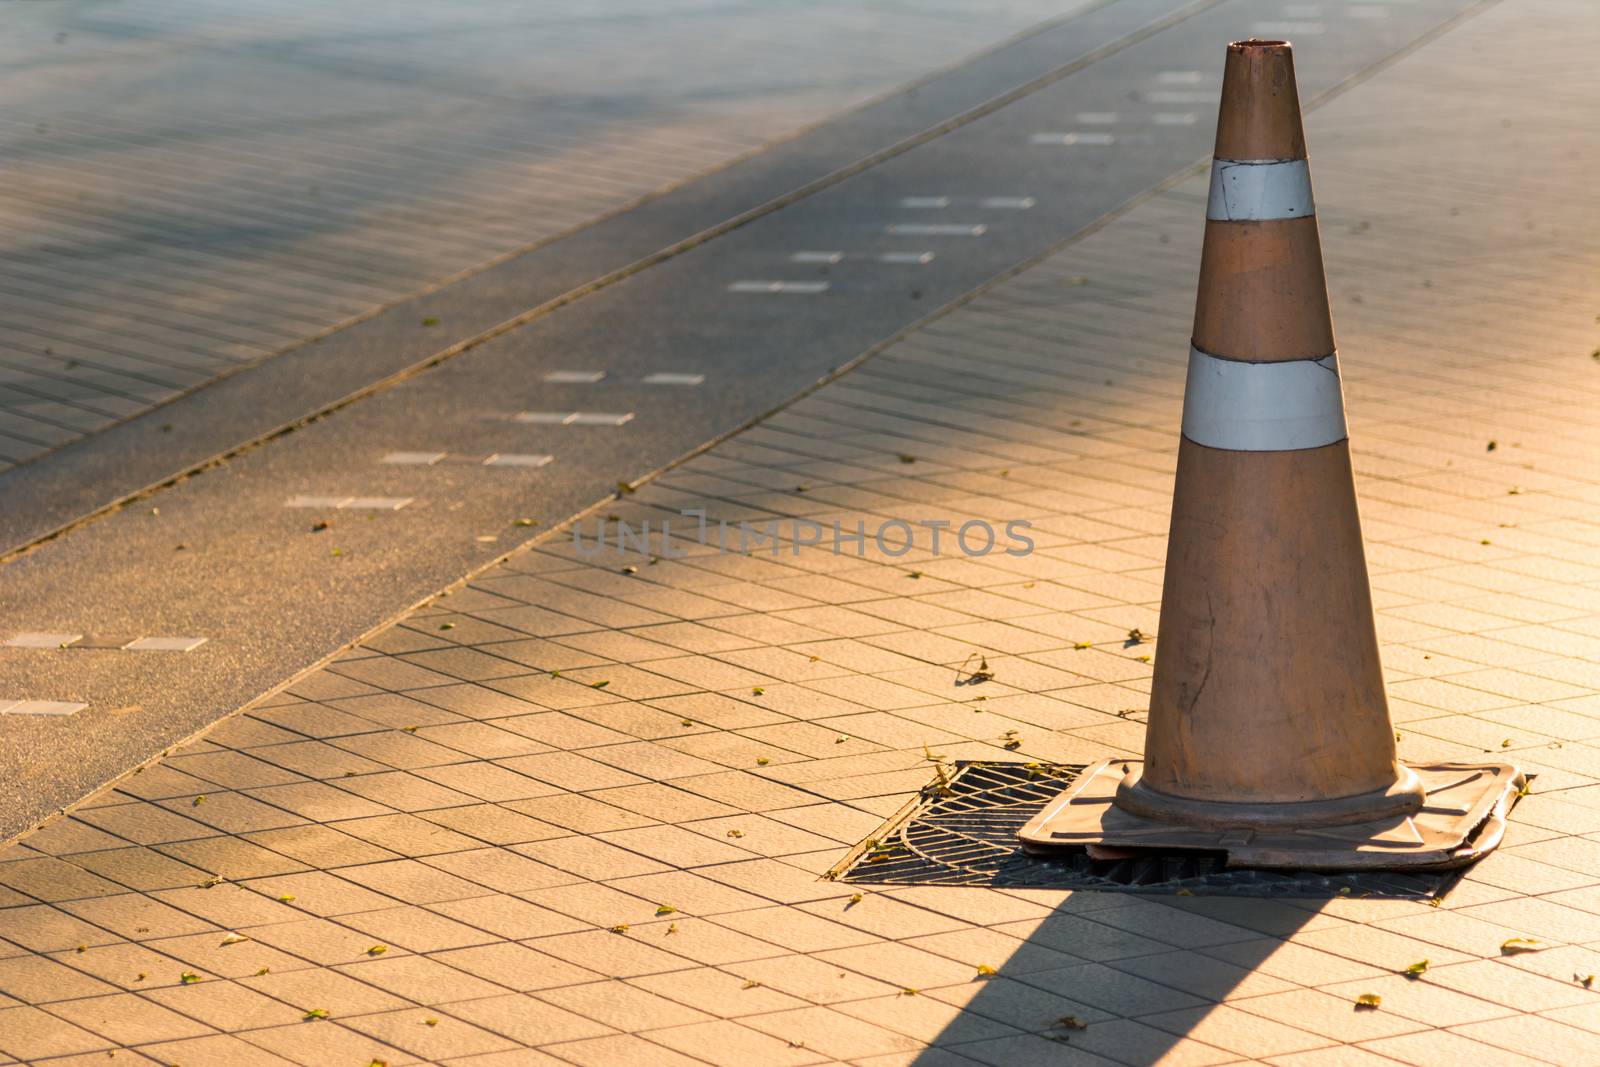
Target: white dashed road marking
(40, 707)
(492, 459)
(41, 640)
(803, 288)
(937, 229)
(1089, 139)
(165, 644)
(350, 503)
(816, 257)
(920, 258)
(575, 377)
(78, 642)
(1008, 203)
(1165, 96)
(673, 379)
(573, 418)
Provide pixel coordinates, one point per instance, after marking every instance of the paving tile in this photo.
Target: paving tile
(314, 1043)
(830, 1032)
(1236, 1031)
(1332, 1017)
(129, 1019)
(621, 1006)
(730, 1044)
(218, 1048)
(431, 1036)
(419, 979)
(1544, 1039)
(1444, 1049)
(1421, 1000)
(1027, 1050)
(522, 1018)
(416, 929)
(31, 1034)
(1500, 983)
(227, 1006)
(517, 966)
(40, 980)
(43, 928)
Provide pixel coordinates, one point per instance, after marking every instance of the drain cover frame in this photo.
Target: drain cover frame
(961, 831)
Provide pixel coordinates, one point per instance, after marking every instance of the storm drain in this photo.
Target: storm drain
(963, 831)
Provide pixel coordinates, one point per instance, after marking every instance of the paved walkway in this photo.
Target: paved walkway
(193, 187)
(460, 842)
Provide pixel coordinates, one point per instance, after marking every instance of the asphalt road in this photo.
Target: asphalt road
(956, 182)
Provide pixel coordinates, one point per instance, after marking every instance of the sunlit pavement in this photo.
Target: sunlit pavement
(577, 810)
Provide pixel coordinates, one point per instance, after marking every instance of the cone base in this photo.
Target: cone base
(1463, 818)
(1404, 797)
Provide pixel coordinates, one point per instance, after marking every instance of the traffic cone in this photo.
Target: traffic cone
(1269, 733)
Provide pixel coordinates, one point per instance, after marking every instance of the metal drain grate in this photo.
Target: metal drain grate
(964, 832)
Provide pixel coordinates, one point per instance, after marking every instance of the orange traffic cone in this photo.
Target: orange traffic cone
(1269, 733)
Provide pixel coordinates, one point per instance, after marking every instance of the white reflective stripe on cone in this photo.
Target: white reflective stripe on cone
(1255, 190)
(1263, 407)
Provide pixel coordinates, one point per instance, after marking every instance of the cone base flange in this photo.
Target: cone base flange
(1462, 818)
(1405, 796)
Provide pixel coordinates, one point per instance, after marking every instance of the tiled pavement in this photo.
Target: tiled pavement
(460, 840)
(191, 187)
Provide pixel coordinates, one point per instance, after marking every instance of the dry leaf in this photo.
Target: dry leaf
(1368, 1000)
(234, 939)
(316, 1013)
(188, 978)
(620, 928)
(665, 909)
(1415, 970)
(750, 983)
(377, 950)
(1521, 944)
(1071, 1022)
(985, 971)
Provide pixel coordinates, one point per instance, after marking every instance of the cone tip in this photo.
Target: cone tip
(1259, 116)
(1260, 47)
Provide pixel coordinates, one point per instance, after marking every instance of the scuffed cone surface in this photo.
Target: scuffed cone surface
(1260, 113)
(1262, 295)
(1267, 685)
